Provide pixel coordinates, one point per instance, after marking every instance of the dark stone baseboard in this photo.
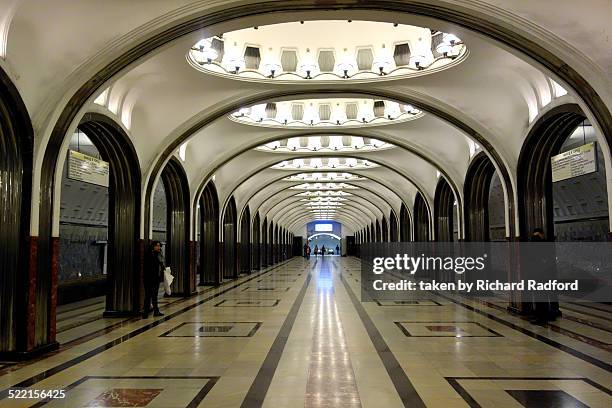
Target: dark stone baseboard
(30, 354)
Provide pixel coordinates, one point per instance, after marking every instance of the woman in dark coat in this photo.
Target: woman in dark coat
(153, 275)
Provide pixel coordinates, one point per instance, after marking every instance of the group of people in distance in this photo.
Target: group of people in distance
(317, 252)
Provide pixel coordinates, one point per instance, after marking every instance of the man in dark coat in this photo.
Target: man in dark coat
(545, 310)
(153, 275)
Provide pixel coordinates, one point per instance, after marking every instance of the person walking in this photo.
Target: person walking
(305, 247)
(154, 267)
(323, 251)
(316, 251)
(337, 249)
(307, 252)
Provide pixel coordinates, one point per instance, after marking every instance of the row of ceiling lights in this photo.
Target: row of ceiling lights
(205, 54)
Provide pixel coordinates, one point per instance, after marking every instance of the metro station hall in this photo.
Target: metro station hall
(305, 203)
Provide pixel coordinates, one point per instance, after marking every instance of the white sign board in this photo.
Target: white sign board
(324, 227)
(87, 168)
(576, 162)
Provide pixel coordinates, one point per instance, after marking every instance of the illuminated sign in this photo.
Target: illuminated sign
(87, 168)
(576, 162)
(324, 227)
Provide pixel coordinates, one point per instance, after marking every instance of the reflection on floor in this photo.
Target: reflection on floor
(296, 335)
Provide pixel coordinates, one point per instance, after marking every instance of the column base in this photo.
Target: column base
(28, 355)
(518, 310)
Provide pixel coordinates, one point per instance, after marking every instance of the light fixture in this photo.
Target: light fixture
(451, 39)
(204, 47)
(308, 69)
(444, 48)
(271, 68)
(237, 63)
(383, 65)
(418, 61)
(206, 52)
(346, 66)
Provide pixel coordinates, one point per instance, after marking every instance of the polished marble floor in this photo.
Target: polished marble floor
(297, 335)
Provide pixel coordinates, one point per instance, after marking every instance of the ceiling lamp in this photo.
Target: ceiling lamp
(311, 116)
(314, 143)
(206, 50)
(451, 39)
(392, 110)
(382, 66)
(235, 64)
(326, 186)
(271, 68)
(308, 67)
(347, 65)
(418, 61)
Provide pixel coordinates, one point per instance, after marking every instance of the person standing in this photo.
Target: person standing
(337, 249)
(316, 251)
(307, 252)
(305, 247)
(323, 251)
(545, 309)
(154, 267)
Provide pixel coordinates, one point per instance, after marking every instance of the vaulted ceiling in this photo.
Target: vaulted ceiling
(486, 98)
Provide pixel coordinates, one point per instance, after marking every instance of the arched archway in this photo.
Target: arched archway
(16, 146)
(245, 241)
(444, 209)
(209, 236)
(404, 224)
(271, 244)
(421, 219)
(384, 230)
(230, 267)
(264, 243)
(476, 198)
(256, 243)
(276, 245)
(535, 187)
(176, 186)
(123, 253)
(393, 230)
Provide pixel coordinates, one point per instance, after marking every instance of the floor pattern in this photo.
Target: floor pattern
(297, 335)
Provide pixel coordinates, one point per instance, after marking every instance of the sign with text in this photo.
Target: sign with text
(87, 168)
(405, 272)
(576, 162)
(324, 227)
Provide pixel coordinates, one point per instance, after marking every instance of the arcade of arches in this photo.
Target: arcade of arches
(238, 134)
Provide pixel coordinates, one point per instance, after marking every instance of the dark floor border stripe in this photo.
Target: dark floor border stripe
(403, 385)
(584, 312)
(259, 388)
(63, 366)
(454, 382)
(211, 381)
(98, 300)
(578, 354)
(590, 306)
(14, 366)
(562, 330)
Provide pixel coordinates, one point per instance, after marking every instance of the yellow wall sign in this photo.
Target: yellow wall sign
(576, 162)
(87, 168)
